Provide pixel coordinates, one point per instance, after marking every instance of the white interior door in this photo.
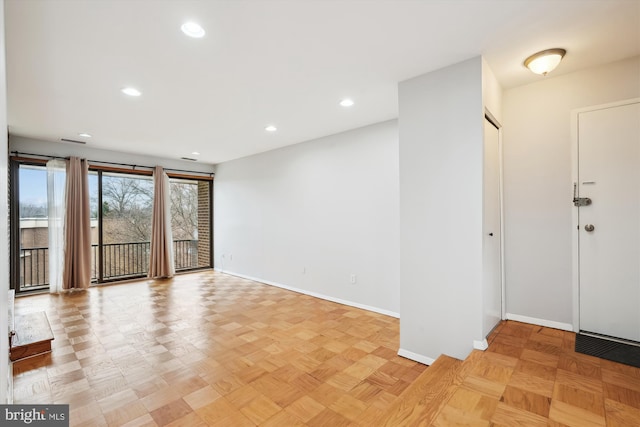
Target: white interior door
(609, 228)
(491, 252)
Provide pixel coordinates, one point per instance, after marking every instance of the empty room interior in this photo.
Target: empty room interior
(320, 213)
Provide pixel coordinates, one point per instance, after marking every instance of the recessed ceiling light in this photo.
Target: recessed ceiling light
(195, 153)
(271, 128)
(131, 91)
(347, 102)
(192, 30)
(84, 135)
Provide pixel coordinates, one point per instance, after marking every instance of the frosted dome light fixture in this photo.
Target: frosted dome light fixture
(193, 30)
(545, 61)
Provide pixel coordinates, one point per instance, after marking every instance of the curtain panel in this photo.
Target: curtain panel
(77, 259)
(161, 260)
(56, 178)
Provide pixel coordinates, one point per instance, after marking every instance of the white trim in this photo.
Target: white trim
(605, 106)
(481, 345)
(575, 217)
(415, 357)
(503, 275)
(314, 294)
(541, 322)
(575, 223)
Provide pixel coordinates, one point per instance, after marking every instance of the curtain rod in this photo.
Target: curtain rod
(18, 153)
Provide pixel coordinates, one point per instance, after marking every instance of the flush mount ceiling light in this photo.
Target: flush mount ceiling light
(84, 135)
(545, 61)
(347, 102)
(271, 128)
(192, 30)
(131, 91)
(195, 153)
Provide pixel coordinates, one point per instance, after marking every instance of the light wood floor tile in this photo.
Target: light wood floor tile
(527, 401)
(281, 419)
(260, 409)
(622, 395)
(484, 386)
(190, 420)
(506, 415)
(573, 416)
(170, 412)
(579, 381)
(328, 418)
(201, 397)
(473, 404)
(621, 415)
(451, 416)
(305, 408)
(142, 421)
(160, 398)
(580, 398)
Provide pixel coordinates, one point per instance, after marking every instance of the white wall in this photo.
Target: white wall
(60, 149)
(4, 220)
(441, 165)
(538, 186)
(309, 215)
(491, 92)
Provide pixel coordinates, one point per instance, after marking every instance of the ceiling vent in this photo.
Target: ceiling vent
(189, 158)
(72, 140)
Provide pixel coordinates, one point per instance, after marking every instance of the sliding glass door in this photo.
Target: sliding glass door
(31, 222)
(121, 205)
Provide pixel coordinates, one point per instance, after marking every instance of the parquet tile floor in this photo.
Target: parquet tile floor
(531, 376)
(213, 349)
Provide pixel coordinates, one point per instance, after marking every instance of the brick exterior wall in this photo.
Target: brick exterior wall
(204, 222)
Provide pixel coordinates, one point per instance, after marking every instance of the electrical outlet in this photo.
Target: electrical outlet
(353, 279)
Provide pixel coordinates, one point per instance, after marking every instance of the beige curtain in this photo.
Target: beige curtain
(161, 260)
(77, 258)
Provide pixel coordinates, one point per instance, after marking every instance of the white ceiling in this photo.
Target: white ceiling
(286, 63)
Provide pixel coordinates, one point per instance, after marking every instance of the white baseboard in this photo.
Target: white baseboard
(314, 294)
(540, 322)
(416, 357)
(481, 345)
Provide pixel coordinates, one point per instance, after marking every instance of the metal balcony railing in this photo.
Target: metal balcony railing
(120, 260)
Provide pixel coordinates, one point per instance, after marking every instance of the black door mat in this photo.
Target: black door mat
(607, 349)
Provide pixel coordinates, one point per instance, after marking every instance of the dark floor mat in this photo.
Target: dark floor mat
(607, 349)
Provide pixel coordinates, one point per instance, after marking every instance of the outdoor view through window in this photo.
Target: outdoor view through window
(125, 225)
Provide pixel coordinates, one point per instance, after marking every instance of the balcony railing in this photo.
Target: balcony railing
(120, 260)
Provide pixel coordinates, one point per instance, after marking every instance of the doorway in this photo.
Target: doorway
(607, 220)
(492, 228)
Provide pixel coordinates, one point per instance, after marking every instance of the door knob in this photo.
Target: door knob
(589, 228)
